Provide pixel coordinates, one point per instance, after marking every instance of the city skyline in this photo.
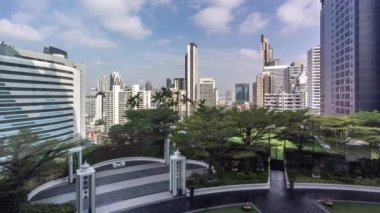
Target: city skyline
(157, 52)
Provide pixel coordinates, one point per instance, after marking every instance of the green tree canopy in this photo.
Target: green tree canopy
(23, 158)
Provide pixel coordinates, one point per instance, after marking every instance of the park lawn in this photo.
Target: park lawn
(346, 207)
(233, 209)
(277, 146)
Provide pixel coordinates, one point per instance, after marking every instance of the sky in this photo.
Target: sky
(145, 40)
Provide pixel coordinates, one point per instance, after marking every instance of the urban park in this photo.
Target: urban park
(214, 160)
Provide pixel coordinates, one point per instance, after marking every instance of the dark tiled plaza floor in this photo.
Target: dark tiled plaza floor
(276, 200)
(121, 194)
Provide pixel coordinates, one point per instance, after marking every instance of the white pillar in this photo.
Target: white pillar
(78, 152)
(177, 174)
(85, 191)
(167, 151)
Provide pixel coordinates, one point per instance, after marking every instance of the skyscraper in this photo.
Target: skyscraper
(191, 74)
(148, 86)
(270, 80)
(103, 84)
(254, 94)
(291, 74)
(43, 92)
(228, 95)
(116, 105)
(314, 79)
(208, 91)
(350, 65)
(241, 93)
(168, 83)
(266, 53)
(116, 79)
(179, 84)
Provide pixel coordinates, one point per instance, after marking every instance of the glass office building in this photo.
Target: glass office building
(242, 93)
(350, 56)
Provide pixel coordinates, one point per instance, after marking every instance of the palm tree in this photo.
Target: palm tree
(157, 97)
(134, 101)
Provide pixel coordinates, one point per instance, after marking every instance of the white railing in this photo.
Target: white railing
(343, 187)
(47, 185)
(230, 188)
(104, 163)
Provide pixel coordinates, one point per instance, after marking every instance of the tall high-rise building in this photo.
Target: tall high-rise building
(314, 79)
(116, 79)
(241, 93)
(291, 75)
(103, 84)
(179, 84)
(148, 86)
(43, 92)
(116, 105)
(266, 53)
(168, 83)
(228, 95)
(254, 94)
(145, 99)
(293, 100)
(135, 89)
(208, 91)
(350, 52)
(270, 80)
(191, 75)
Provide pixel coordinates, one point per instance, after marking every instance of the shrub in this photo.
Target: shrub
(47, 208)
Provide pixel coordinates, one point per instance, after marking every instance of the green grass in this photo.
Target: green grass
(345, 207)
(234, 209)
(274, 142)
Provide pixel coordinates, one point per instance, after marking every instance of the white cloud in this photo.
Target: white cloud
(217, 16)
(76, 37)
(120, 16)
(19, 31)
(299, 14)
(250, 54)
(253, 23)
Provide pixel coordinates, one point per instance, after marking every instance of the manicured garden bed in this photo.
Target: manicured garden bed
(331, 169)
(346, 207)
(229, 178)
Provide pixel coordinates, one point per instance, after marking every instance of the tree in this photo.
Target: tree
(24, 157)
(334, 130)
(118, 135)
(134, 101)
(298, 128)
(252, 124)
(100, 122)
(366, 127)
(164, 97)
(205, 134)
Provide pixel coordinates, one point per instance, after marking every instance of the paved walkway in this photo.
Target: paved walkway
(122, 188)
(276, 200)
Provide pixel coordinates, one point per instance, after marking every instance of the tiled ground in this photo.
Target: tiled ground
(114, 187)
(133, 188)
(276, 200)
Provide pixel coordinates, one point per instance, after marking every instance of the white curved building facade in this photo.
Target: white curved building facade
(43, 92)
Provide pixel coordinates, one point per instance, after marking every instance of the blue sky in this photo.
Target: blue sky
(146, 39)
